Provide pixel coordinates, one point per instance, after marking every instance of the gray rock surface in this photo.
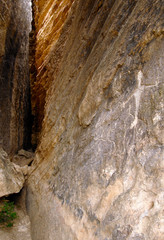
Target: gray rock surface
(98, 172)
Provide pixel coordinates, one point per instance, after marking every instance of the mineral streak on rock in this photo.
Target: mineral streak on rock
(50, 17)
(98, 169)
(15, 24)
(97, 96)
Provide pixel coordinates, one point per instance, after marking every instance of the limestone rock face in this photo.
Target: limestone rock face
(98, 172)
(15, 24)
(11, 176)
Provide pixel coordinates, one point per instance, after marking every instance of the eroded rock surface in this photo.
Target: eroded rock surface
(49, 19)
(23, 158)
(15, 25)
(98, 172)
(11, 176)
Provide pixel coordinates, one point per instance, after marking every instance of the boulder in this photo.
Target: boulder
(23, 158)
(11, 176)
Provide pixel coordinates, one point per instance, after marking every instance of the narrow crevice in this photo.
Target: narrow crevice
(33, 73)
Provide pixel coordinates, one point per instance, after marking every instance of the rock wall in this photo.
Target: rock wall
(98, 169)
(15, 25)
(49, 18)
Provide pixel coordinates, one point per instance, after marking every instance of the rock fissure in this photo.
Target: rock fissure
(96, 72)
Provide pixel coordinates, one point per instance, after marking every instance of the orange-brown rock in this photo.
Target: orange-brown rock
(50, 17)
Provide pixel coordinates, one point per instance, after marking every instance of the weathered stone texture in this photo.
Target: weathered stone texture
(98, 170)
(50, 17)
(23, 158)
(11, 176)
(15, 24)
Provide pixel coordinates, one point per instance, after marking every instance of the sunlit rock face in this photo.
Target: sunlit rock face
(98, 170)
(50, 17)
(15, 24)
